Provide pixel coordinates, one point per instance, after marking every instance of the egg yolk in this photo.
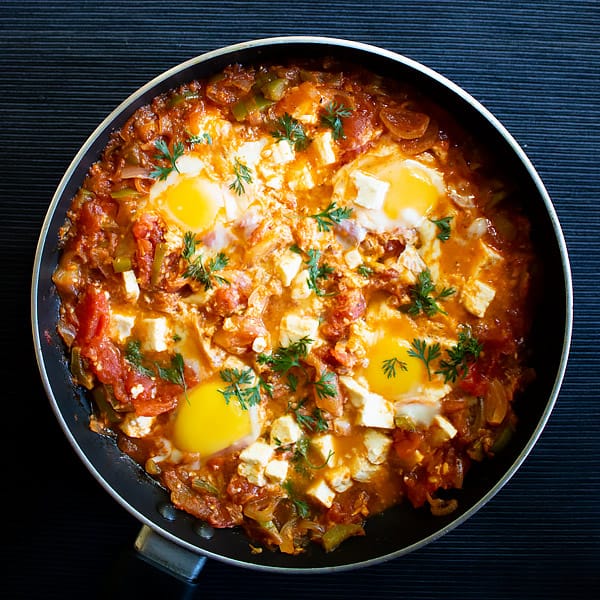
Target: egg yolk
(391, 371)
(412, 193)
(205, 423)
(193, 202)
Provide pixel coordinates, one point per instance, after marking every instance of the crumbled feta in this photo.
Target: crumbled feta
(371, 191)
(339, 478)
(288, 266)
(157, 334)
(377, 445)
(477, 296)
(249, 152)
(254, 473)
(132, 289)
(285, 431)
(321, 492)
(276, 470)
(417, 412)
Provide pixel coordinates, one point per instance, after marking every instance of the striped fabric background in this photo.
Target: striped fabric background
(534, 64)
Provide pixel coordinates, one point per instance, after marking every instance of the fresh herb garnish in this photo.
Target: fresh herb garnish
(165, 154)
(324, 387)
(286, 357)
(242, 174)
(133, 354)
(202, 485)
(290, 129)
(316, 271)
(422, 298)
(243, 385)
(197, 270)
(389, 366)
(300, 457)
(334, 113)
(427, 353)
(301, 506)
(174, 373)
(364, 270)
(313, 422)
(443, 225)
(332, 215)
(203, 138)
(465, 352)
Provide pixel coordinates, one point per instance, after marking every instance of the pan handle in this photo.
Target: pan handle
(155, 567)
(168, 556)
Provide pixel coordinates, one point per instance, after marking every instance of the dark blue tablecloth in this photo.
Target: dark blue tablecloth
(534, 64)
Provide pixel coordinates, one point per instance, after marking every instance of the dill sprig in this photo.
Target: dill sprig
(243, 385)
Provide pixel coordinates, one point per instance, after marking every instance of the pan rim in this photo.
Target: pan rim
(395, 58)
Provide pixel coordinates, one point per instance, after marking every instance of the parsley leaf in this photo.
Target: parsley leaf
(286, 357)
(324, 387)
(243, 385)
(174, 373)
(290, 129)
(334, 113)
(465, 352)
(242, 174)
(197, 270)
(332, 215)
(301, 506)
(424, 352)
(312, 422)
(203, 138)
(389, 366)
(443, 225)
(165, 154)
(316, 271)
(422, 298)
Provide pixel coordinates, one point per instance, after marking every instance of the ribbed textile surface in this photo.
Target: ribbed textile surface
(534, 64)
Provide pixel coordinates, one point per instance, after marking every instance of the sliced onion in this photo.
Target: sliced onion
(261, 509)
(134, 171)
(404, 124)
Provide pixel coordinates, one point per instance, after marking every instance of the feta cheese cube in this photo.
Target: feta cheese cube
(476, 297)
(282, 152)
(288, 266)
(300, 289)
(323, 144)
(376, 412)
(323, 444)
(132, 289)
(371, 191)
(357, 393)
(411, 263)
(378, 445)
(254, 473)
(353, 258)
(445, 426)
(285, 431)
(295, 326)
(249, 152)
(257, 453)
(417, 412)
(362, 470)
(339, 478)
(121, 325)
(157, 334)
(276, 470)
(321, 492)
(136, 427)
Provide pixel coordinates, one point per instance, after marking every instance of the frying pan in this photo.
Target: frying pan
(176, 541)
